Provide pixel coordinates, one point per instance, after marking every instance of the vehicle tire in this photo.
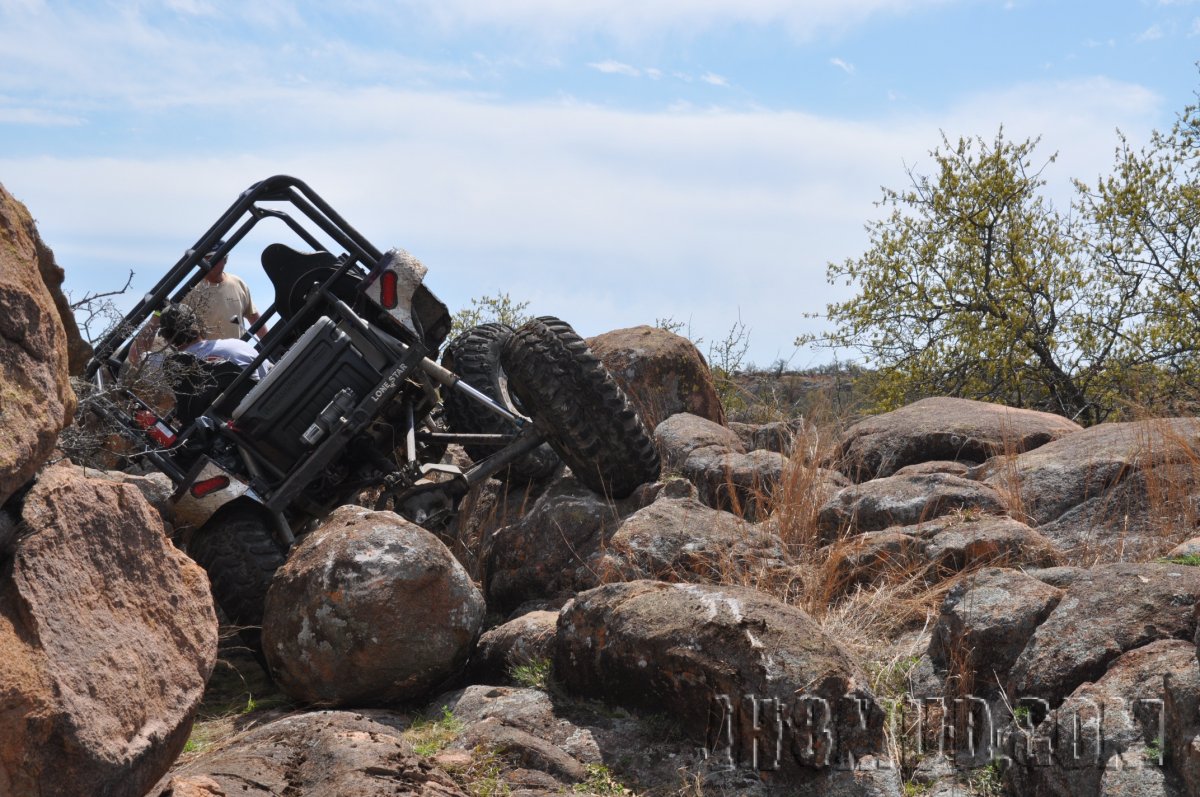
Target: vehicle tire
(475, 357)
(240, 554)
(572, 396)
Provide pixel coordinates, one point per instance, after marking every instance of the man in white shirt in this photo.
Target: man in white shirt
(222, 301)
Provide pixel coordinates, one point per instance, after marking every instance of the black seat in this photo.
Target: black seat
(294, 273)
(197, 383)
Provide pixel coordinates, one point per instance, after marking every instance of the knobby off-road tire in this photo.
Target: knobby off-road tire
(475, 357)
(240, 554)
(572, 396)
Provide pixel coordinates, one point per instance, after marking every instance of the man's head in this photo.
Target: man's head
(216, 269)
(179, 325)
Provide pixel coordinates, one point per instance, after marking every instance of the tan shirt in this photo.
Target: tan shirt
(216, 304)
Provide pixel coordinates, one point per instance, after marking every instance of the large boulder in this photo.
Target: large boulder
(368, 609)
(485, 508)
(560, 738)
(985, 622)
(1115, 490)
(939, 549)
(318, 754)
(735, 668)
(745, 484)
(944, 429)
(16, 215)
(681, 434)
(36, 400)
(1182, 736)
(662, 373)
(108, 636)
(903, 501)
(786, 437)
(521, 642)
(1105, 612)
(681, 539)
(1107, 738)
(545, 553)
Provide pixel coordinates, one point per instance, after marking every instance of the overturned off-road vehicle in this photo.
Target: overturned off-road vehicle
(355, 401)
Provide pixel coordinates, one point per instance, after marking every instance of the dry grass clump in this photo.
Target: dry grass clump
(1139, 513)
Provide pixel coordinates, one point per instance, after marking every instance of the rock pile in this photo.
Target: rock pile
(958, 596)
(107, 632)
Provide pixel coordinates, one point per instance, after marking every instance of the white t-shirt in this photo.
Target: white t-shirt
(222, 307)
(231, 350)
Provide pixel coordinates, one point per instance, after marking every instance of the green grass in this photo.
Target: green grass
(429, 737)
(1189, 560)
(890, 679)
(601, 781)
(987, 781)
(484, 776)
(534, 675)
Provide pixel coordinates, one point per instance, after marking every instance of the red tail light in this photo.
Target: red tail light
(388, 292)
(159, 432)
(207, 486)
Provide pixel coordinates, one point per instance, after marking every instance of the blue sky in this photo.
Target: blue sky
(612, 163)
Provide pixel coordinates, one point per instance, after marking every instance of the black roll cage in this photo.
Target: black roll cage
(411, 352)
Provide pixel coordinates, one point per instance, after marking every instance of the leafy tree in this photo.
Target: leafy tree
(501, 309)
(975, 286)
(1145, 226)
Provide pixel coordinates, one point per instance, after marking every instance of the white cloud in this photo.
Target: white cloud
(607, 218)
(714, 79)
(636, 19)
(1152, 33)
(842, 65)
(196, 8)
(616, 68)
(37, 117)
(20, 6)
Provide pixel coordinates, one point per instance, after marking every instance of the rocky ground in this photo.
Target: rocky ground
(953, 598)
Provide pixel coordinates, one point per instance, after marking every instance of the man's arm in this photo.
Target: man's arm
(253, 319)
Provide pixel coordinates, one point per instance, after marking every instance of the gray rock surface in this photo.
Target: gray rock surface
(1105, 612)
(1107, 736)
(1116, 491)
(545, 553)
(647, 754)
(944, 429)
(744, 484)
(785, 437)
(698, 653)
(317, 754)
(681, 434)
(367, 610)
(903, 501)
(985, 622)
(1182, 726)
(522, 641)
(938, 550)
(963, 469)
(681, 539)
